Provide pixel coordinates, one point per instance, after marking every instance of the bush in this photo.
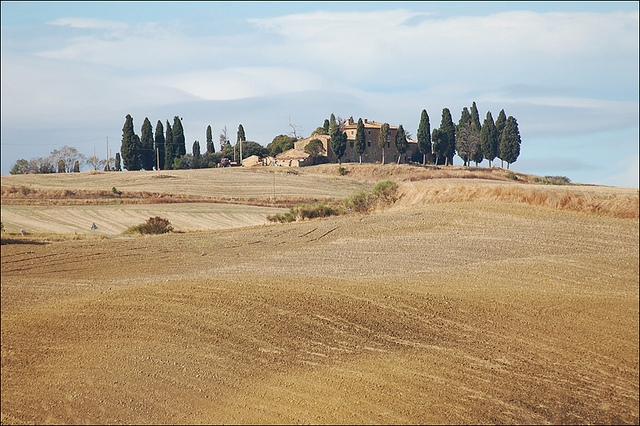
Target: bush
(342, 171)
(154, 225)
(512, 176)
(553, 180)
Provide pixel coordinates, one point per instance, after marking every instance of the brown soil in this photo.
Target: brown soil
(477, 310)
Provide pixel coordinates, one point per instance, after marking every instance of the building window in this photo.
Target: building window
(351, 144)
(369, 131)
(369, 143)
(388, 144)
(352, 133)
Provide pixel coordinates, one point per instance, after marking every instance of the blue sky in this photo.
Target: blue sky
(567, 71)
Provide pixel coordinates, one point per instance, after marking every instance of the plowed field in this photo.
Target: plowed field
(474, 311)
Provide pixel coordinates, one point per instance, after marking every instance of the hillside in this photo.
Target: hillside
(467, 301)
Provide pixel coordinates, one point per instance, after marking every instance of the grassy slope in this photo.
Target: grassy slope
(473, 310)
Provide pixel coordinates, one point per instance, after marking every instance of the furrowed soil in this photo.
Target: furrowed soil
(467, 301)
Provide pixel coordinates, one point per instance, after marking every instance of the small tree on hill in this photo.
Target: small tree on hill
(159, 145)
(509, 148)
(401, 142)
(448, 130)
(147, 154)
(338, 140)
(210, 147)
(424, 136)
(361, 139)
(169, 147)
(501, 121)
(383, 138)
(489, 139)
(130, 147)
(315, 149)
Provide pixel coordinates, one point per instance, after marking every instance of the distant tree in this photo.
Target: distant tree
(240, 139)
(424, 136)
(325, 127)
(76, 165)
(338, 140)
(130, 147)
(95, 162)
(439, 144)
(159, 144)
(332, 122)
(489, 138)
(61, 166)
(383, 138)
(509, 148)
(254, 148)
(147, 154)
(449, 136)
(501, 121)
(401, 142)
(361, 139)
(118, 167)
(223, 139)
(195, 149)
(315, 149)
(178, 138)
(476, 153)
(169, 147)
(68, 154)
(463, 135)
(280, 143)
(20, 167)
(210, 147)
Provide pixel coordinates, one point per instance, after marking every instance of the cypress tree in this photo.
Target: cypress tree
(240, 137)
(338, 139)
(210, 147)
(130, 147)
(509, 147)
(500, 123)
(448, 136)
(361, 139)
(463, 136)
(489, 138)
(195, 150)
(474, 138)
(438, 144)
(76, 165)
(178, 138)
(383, 138)
(325, 127)
(159, 144)
(401, 142)
(147, 155)
(424, 136)
(118, 167)
(169, 150)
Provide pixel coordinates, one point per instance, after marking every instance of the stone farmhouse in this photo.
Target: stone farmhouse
(372, 153)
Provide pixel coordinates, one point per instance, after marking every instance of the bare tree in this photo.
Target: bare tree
(296, 131)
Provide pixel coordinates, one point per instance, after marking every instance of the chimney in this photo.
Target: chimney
(366, 120)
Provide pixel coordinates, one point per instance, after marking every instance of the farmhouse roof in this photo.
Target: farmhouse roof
(293, 154)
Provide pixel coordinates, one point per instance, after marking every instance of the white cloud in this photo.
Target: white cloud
(88, 23)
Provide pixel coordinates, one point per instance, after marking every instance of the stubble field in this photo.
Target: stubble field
(467, 301)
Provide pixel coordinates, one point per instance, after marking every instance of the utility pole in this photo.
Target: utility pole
(108, 166)
(157, 160)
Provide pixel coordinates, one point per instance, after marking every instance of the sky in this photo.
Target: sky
(567, 71)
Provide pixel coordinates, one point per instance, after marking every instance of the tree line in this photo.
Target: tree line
(166, 147)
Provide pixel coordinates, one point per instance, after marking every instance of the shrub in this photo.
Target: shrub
(512, 176)
(342, 171)
(153, 225)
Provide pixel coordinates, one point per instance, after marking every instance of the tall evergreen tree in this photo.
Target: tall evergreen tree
(118, 166)
(463, 136)
(361, 139)
(424, 136)
(210, 147)
(130, 147)
(240, 139)
(476, 128)
(332, 122)
(501, 121)
(509, 147)
(195, 149)
(147, 154)
(169, 147)
(401, 142)
(325, 127)
(178, 137)
(338, 139)
(448, 130)
(383, 138)
(489, 138)
(439, 145)
(159, 145)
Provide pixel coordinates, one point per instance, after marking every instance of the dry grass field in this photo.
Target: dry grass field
(473, 299)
